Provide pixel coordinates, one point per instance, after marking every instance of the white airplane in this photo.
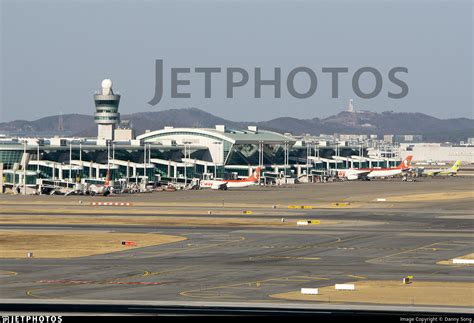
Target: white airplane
(97, 189)
(357, 173)
(224, 184)
(446, 171)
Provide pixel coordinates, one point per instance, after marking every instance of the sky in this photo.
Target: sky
(54, 54)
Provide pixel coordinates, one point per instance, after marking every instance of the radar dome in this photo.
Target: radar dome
(107, 84)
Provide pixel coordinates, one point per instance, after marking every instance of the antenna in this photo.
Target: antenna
(60, 121)
(350, 107)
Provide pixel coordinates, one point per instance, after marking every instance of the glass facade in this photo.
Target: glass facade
(16, 178)
(107, 110)
(107, 103)
(106, 118)
(9, 157)
(247, 154)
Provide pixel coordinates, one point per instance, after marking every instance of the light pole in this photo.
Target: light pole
(308, 149)
(37, 157)
(24, 167)
(214, 158)
(185, 168)
(149, 158)
(185, 162)
(260, 158)
(260, 153)
(70, 159)
(144, 160)
(286, 157)
(108, 153)
(149, 154)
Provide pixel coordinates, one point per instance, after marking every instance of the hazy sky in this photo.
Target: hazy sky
(55, 53)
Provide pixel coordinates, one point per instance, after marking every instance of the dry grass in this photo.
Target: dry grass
(126, 210)
(209, 220)
(468, 256)
(394, 292)
(138, 220)
(67, 244)
(450, 261)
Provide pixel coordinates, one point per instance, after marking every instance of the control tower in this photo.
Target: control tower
(106, 115)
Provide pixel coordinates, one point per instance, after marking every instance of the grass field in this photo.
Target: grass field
(68, 244)
(393, 292)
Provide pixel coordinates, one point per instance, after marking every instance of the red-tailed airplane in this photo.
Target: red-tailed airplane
(357, 173)
(224, 184)
(97, 189)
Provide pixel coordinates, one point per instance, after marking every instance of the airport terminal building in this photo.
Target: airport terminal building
(175, 154)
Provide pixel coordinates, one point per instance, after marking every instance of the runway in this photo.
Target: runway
(250, 263)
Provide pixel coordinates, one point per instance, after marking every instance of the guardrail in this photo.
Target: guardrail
(111, 204)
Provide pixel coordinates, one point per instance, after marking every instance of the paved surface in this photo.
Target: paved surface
(247, 264)
(291, 194)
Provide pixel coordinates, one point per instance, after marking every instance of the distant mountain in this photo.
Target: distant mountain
(190, 117)
(71, 123)
(361, 122)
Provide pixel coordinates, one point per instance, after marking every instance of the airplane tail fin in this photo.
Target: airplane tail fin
(406, 163)
(255, 175)
(456, 166)
(107, 178)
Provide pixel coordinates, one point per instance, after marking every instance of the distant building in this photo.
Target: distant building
(408, 138)
(437, 152)
(124, 132)
(352, 137)
(388, 138)
(402, 138)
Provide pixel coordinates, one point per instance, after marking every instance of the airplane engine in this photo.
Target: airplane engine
(222, 187)
(218, 186)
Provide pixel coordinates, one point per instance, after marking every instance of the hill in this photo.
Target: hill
(361, 122)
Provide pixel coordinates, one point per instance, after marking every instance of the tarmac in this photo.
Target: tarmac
(370, 241)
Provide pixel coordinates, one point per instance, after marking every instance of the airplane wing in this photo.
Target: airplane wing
(432, 172)
(219, 186)
(359, 175)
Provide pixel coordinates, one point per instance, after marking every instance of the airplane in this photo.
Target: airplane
(368, 173)
(443, 171)
(388, 172)
(352, 174)
(98, 189)
(224, 184)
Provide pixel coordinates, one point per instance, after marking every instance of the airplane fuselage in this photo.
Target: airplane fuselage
(384, 173)
(216, 184)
